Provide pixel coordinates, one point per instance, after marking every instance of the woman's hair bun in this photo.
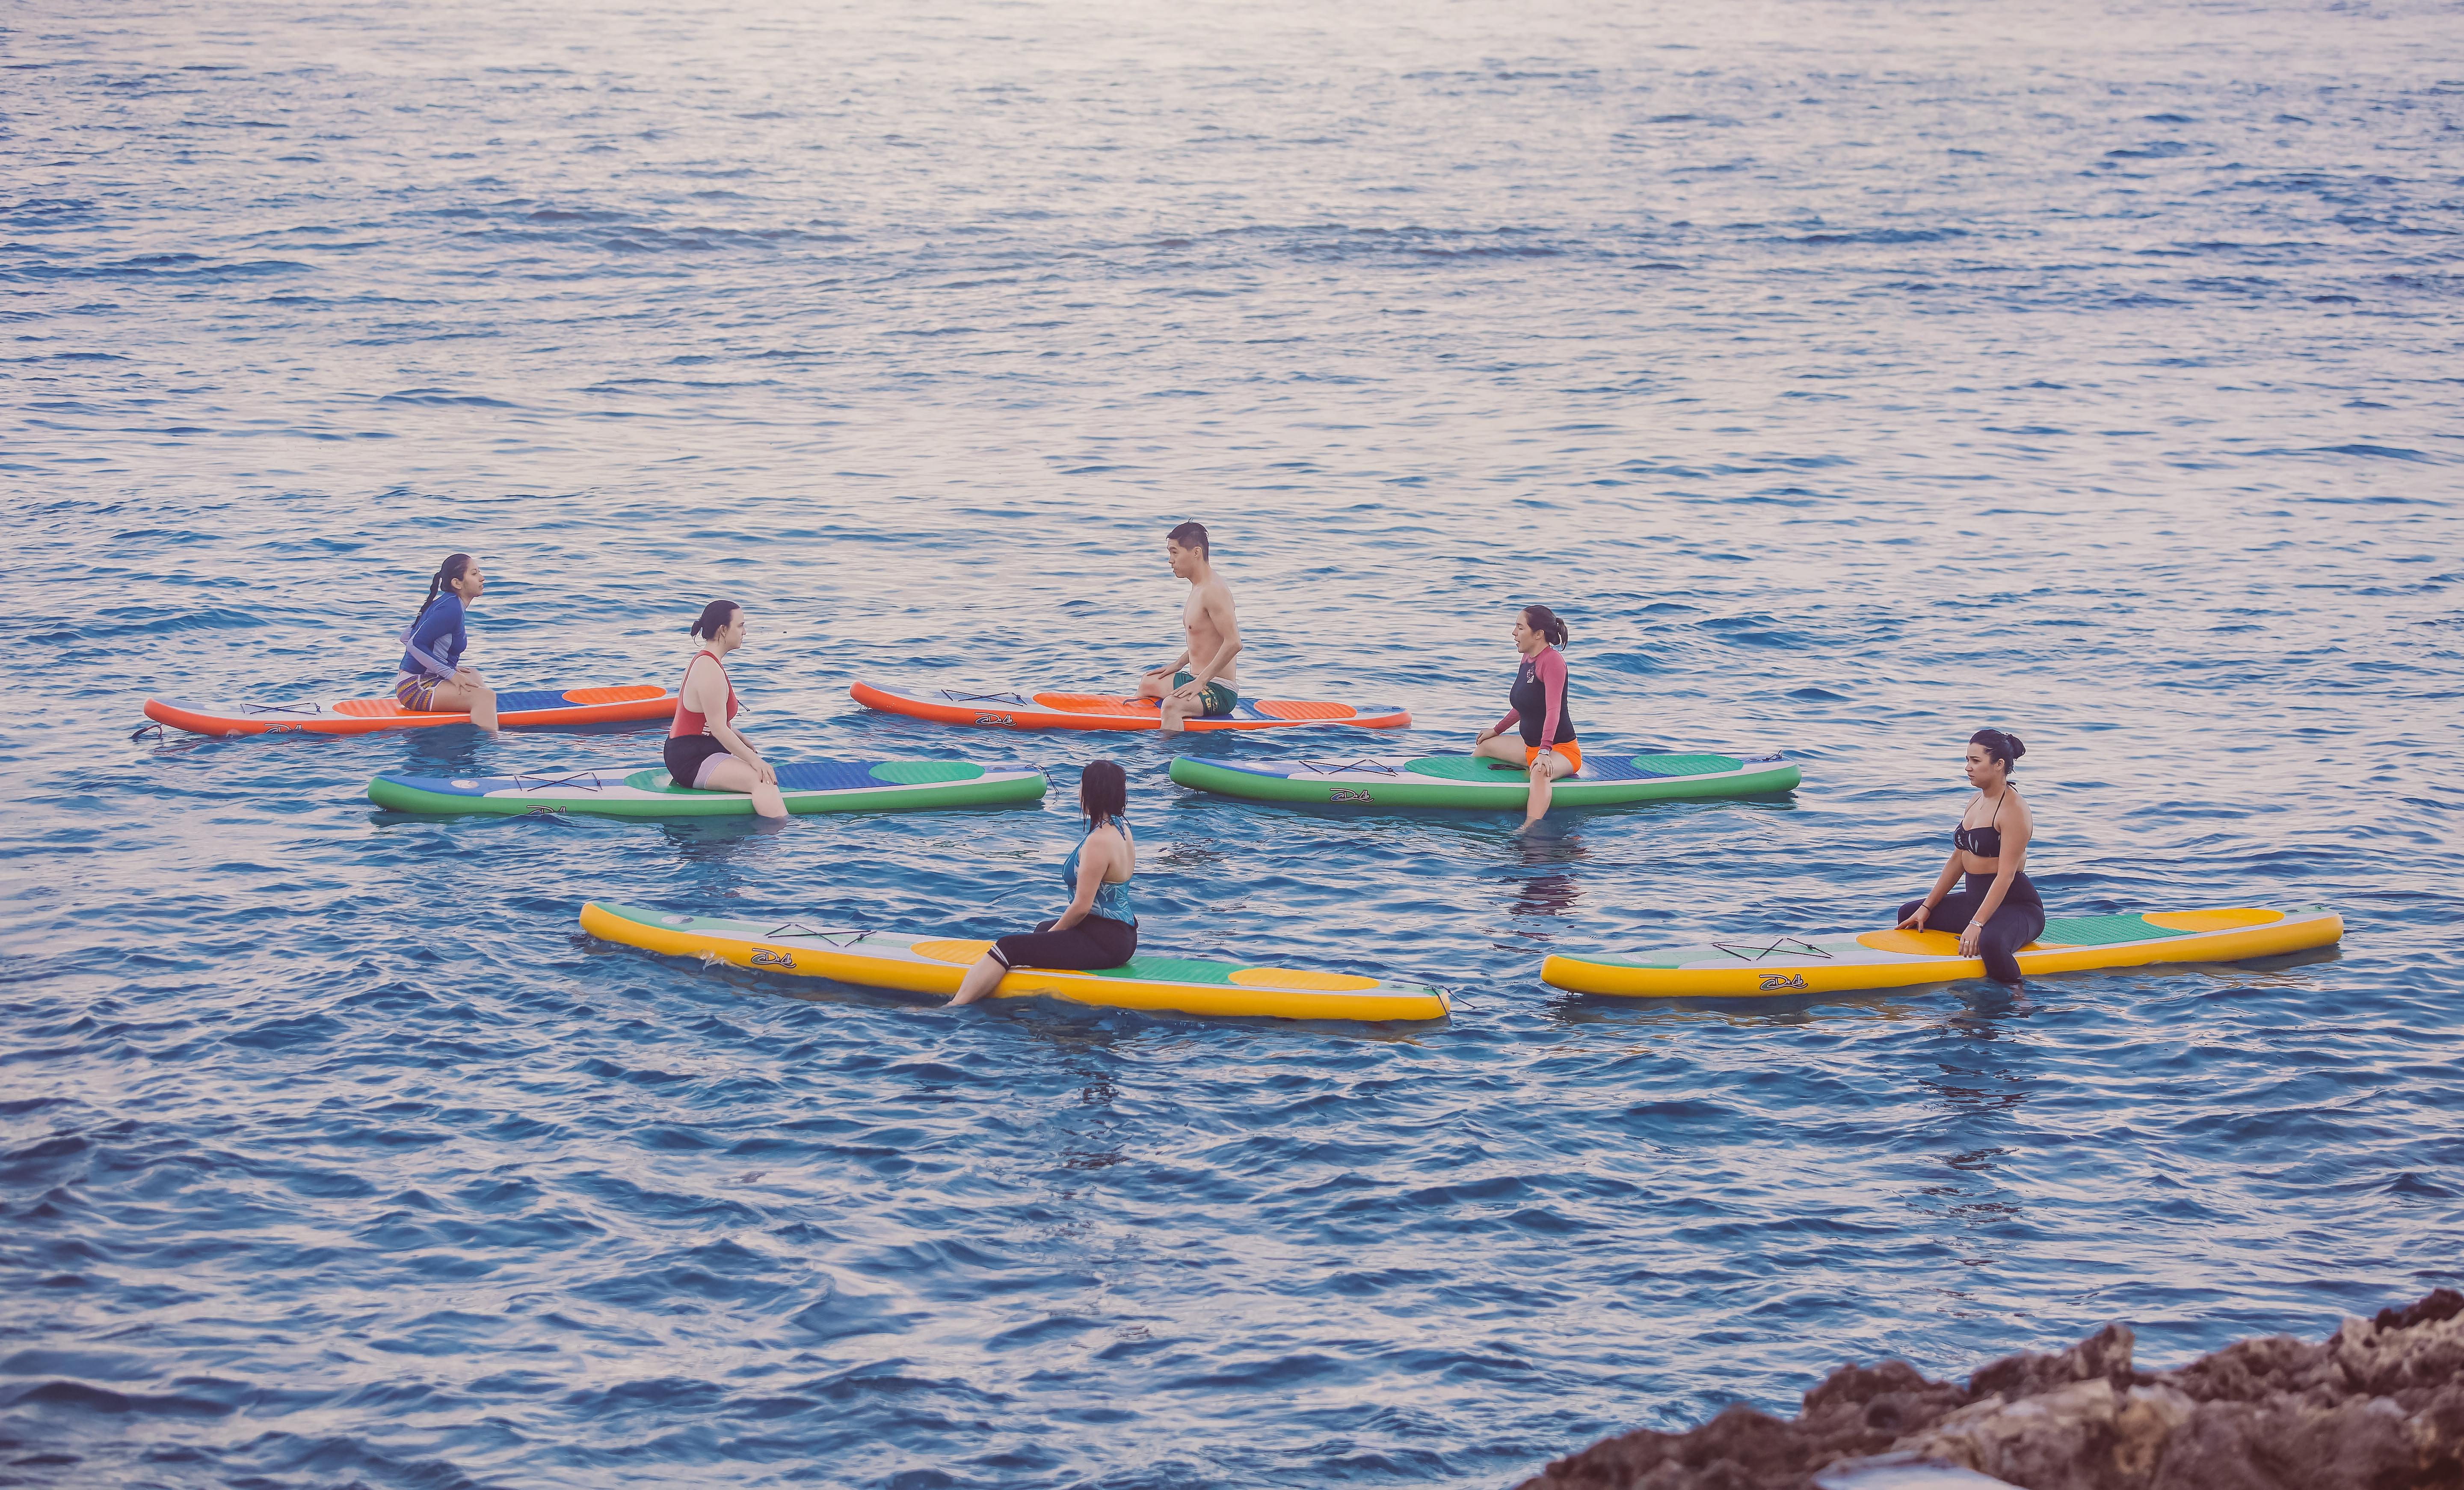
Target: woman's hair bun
(2001, 744)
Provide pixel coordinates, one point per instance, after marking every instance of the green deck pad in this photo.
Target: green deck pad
(2105, 930)
(654, 780)
(1469, 768)
(1690, 765)
(920, 773)
(1173, 969)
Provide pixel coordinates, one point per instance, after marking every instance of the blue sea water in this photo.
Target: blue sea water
(1850, 376)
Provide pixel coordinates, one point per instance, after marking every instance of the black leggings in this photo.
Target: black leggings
(687, 754)
(1095, 942)
(2021, 920)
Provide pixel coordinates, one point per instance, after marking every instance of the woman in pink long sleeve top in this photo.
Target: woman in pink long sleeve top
(1548, 747)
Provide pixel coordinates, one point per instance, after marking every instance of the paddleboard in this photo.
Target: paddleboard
(933, 965)
(1757, 967)
(1468, 781)
(1028, 709)
(646, 791)
(515, 708)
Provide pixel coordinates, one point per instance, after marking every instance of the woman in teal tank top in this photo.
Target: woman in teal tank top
(1100, 929)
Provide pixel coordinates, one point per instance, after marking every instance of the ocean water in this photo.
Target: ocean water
(1851, 377)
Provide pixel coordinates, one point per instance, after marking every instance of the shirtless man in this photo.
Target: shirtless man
(1208, 689)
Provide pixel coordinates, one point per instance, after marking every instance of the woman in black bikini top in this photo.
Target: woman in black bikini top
(1985, 842)
(1998, 912)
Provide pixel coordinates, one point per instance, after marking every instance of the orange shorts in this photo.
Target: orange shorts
(1572, 753)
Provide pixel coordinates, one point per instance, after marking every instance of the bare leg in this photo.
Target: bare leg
(458, 697)
(981, 979)
(727, 773)
(1177, 712)
(1546, 767)
(1508, 748)
(1154, 685)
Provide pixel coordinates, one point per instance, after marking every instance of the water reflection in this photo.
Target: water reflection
(1552, 893)
(1544, 895)
(1090, 1140)
(447, 750)
(1984, 1007)
(1745, 1014)
(718, 840)
(1971, 1093)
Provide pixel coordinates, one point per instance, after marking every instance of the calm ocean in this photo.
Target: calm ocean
(1850, 376)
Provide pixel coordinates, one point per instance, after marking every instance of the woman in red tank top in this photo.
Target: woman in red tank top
(704, 750)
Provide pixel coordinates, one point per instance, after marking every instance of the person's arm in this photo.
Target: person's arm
(427, 634)
(1170, 667)
(739, 746)
(461, 641)
(1090, 875)
(2014, 858)
(1942, 884)
(705, 694)
(1201, 675)
(1550, 667)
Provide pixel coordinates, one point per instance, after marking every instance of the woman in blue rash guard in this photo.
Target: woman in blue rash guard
(433, 680)
(1100, 929)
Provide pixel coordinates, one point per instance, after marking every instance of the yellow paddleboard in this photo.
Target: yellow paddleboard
(933, 965)
(1763, 967)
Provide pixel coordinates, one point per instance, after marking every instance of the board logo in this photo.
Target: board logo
(765, 958)
(995, 721)
(1773, 983)
(1344, 794)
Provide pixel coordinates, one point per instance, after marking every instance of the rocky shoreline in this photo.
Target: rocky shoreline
(2379, 1405)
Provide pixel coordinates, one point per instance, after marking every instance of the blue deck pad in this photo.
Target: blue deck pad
(1615, 768)
(534, 698)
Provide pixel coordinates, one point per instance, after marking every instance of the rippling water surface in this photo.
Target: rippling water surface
(1851, 375)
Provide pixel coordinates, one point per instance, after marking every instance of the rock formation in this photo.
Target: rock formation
(2377, 1406)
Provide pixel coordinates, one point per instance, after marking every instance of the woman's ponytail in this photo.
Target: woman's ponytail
(715, 617)
(455, 565)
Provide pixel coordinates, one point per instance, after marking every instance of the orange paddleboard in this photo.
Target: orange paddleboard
(1027, 709)
(527, 707)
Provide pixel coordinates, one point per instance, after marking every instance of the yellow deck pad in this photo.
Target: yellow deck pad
(962, 952)
(2233, 920)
